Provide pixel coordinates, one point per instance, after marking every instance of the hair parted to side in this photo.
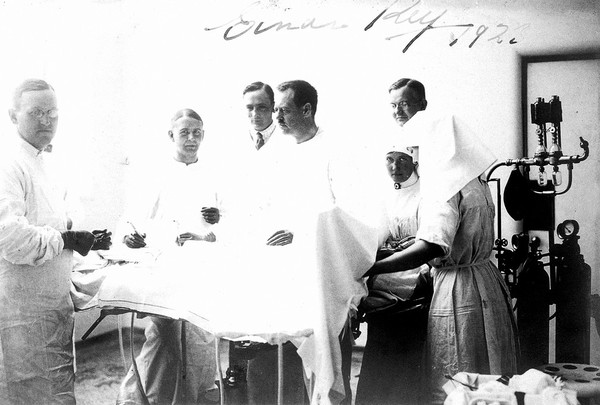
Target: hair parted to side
(413, 84)
(256, 86)
(29, 85)
(304, 93)
(185, 112)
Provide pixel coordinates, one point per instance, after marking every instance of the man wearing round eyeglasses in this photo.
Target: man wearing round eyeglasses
(36, 117)
(407, 97)
(36, 248)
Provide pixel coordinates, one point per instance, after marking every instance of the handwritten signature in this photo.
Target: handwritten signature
(426, 21)
(239, 26)
(411, 20)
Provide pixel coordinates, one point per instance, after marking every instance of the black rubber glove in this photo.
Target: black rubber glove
(102, 240)
(79, 241)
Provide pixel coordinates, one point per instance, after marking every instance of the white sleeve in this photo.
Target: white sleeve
(439, 222)
(20, 241)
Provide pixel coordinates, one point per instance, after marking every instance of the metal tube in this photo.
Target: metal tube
(219, 371)
(279, 373)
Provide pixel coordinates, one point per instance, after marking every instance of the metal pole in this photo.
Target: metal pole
(279, 373)
(219, 371)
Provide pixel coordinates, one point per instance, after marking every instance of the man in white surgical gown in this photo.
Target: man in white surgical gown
(36, 248)
(296, 188)
(177, 206)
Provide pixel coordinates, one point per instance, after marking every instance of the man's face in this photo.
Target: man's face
(405, 104)
(36, 117)
(400, 166)
(259, 108)
(187, 134)
(290, 118)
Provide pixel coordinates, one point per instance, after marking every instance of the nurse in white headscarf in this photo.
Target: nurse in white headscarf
(397, 305)
(471, 324)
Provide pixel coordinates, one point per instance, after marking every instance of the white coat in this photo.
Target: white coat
(36, 311)
(167, 201)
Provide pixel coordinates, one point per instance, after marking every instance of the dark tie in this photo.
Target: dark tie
(260, 141)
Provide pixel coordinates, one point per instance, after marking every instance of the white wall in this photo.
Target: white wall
(121, 68)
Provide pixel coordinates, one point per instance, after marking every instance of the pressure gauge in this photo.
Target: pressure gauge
(567, 229)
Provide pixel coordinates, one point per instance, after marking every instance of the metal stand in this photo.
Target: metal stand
(119, 311)
(566, 283)
(279, 373)
(219, 371)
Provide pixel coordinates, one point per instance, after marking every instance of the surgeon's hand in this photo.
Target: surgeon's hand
(102, 240)
(187, 236)
(79, 241)
(211, 215)
(281, 238)
(135, 240)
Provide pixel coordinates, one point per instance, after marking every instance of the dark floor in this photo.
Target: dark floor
(100, 368)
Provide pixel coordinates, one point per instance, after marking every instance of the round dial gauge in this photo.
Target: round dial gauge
(567, 229)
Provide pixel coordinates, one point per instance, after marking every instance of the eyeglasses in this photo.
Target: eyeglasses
(404, 104)
(39, 114)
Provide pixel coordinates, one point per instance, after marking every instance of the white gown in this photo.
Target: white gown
(166, 202)
(36, 311)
